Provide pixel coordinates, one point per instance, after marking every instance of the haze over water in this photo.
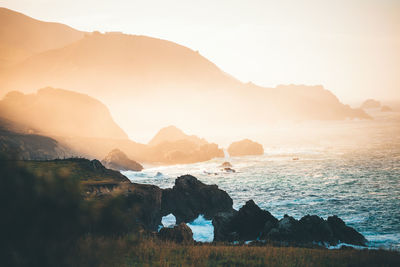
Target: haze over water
(356, 178)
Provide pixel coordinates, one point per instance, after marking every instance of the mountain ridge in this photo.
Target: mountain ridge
(167, 83)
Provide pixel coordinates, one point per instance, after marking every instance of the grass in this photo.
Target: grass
(74, 168)
(129, 251)
(47, 222)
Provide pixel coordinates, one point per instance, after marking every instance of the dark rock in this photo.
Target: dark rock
(245, 147)
(253, 223)
(117, 160)
(287, 229)
(138, 204)
(312, 229)
(316, 229)
(180, 234)
(344, 233)
(145, 203)
(222, 227)
(246, 224)
(189, 198)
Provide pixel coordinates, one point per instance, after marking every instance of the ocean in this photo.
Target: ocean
(357, 181)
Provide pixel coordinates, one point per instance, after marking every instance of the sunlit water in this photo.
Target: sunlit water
(360, 184)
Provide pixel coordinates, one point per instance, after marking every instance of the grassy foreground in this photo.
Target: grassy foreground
(45, 221)
(128, 251)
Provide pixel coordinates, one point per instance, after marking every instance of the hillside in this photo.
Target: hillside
(20, 142)
(87, 172)
(57, 112)
(168, 83)
(54, 122)
(22, 36)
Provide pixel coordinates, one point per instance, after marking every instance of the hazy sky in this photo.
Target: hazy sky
(351, 47)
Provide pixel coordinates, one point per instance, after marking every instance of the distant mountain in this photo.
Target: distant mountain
(173, 134)
(146, 82)
(167, 83)
(22, 36)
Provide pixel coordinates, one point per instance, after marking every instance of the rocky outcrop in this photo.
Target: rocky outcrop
(312, 228)
(370, 103)
(21, 143)
(344, 233)
(226, 164)
(173, 134)
(133, 204)
(172, 146)
(246, 224)
(180, 234)
(222, 226)
(245, 147)
(117, 160)
(189, 198)
(144, 202)
(251, 223)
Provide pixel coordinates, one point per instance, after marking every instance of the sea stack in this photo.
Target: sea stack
(245, 147)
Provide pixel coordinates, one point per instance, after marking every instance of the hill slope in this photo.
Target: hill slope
(22, 36)
(20, 142)
(167, 84)
(59, 112)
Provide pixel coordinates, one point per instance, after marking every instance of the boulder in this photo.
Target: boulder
(226, 164)
(246, 224)
(145, 204)
(317, 229)
(117, 160)
(344, 233)
(245, 147)
(189, 198)
(179, 234)
(222, 227)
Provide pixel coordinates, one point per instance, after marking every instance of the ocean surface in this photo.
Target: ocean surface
(359, 180)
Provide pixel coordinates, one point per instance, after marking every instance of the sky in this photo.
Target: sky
(350, 47)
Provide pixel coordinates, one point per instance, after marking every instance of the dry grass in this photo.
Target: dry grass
(129, 251)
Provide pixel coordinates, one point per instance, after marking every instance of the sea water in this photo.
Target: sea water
(360, 184)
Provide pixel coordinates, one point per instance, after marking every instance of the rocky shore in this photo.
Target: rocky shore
(133, 205)
(190, 198)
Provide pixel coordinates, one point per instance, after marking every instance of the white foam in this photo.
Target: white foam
(340, 245)
(203, 230)
(168, 220)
